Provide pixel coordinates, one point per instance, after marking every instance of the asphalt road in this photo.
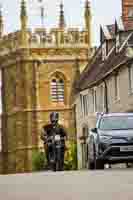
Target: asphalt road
(114, 184)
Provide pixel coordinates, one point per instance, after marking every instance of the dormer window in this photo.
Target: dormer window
(130, 12)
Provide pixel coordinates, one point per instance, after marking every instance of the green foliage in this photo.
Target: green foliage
(38, 160)
(71, 157)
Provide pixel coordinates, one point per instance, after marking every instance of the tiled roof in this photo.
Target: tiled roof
(98, 69)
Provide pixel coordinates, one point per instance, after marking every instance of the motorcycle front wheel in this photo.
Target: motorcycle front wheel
(60, 160)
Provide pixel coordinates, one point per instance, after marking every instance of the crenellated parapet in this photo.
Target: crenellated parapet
(42, 38)
(9, 43)
(58, 37)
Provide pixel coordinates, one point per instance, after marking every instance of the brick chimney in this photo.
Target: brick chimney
(127, 13)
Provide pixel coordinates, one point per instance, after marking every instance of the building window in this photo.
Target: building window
(57, 89)
(95, 100)
(81, 103)
(101, 98)
(130, 12)
(117, 43)
(116, 87)
(85, 104)
(130, 72)
(90, 102)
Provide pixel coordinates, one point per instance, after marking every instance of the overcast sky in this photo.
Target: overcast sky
(103, 12)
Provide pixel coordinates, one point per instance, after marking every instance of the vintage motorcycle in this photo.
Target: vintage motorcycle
(56, 145)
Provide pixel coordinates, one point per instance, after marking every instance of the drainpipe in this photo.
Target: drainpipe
(106, 97)
(75, 140)
(75, 122)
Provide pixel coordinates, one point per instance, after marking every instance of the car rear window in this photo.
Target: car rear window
(116, 123)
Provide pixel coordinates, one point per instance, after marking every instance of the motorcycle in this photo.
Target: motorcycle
(56, 152)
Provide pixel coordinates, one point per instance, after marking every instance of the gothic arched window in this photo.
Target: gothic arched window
(57, 89)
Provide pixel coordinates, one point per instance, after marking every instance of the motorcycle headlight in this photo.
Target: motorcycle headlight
(57, 137)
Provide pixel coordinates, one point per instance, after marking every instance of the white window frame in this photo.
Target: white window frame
(90, 101)
(87, 103)
(91, 91)
(102, 96)
(130, 12)
(95, 99)
(57, 90)
(117, 87)
(84, 107)
(81, 103)
(84, 103)
(130, 74)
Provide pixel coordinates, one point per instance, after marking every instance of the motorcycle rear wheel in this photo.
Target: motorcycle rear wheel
(59, 165)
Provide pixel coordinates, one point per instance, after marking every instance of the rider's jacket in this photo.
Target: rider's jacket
(50, 130)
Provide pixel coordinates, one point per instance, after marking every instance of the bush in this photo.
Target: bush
(70, 162)
(38, 161)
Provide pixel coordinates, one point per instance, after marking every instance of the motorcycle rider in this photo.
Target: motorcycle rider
(49, 130)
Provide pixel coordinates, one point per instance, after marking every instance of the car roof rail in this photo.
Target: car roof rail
(99, 113)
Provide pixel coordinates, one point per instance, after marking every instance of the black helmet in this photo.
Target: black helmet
(54, 117)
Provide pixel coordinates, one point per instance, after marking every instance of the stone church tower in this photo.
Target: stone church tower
(38, 71)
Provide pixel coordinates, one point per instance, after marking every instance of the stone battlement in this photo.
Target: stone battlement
(9, 42)
(59, 37)
(42, 38)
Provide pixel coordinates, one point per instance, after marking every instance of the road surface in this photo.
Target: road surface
(114, 184)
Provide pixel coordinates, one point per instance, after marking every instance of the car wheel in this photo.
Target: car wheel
(91, 163)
